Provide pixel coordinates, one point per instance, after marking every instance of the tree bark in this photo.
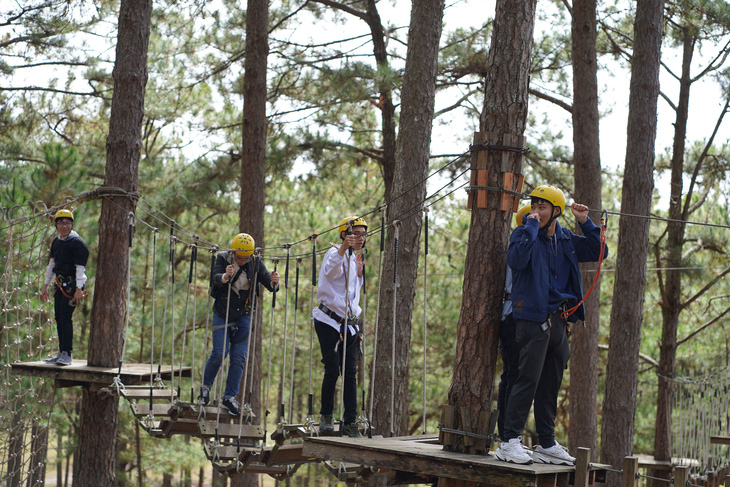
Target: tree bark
(583, 389)
(95, 466)
(504, 113)
(253, 185)
(414, 140)
(633, 239)
(671, 291)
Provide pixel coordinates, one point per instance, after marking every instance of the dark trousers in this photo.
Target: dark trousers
(510, 363)
(329, 338)
(543, 356)
(64, 324)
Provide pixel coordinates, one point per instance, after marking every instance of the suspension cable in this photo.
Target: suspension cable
(396, 229)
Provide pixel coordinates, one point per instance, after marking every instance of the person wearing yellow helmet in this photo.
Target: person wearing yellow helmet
(336, 322)
(546, 280)
(67, 270)
(234, 275)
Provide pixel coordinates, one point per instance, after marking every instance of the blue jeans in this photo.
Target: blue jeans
(236, 338)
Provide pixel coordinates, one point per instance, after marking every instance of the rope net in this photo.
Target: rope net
(27, 333)
(701, 410)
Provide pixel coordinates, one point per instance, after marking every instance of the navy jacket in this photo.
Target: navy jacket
(239, 302)
(528, 257)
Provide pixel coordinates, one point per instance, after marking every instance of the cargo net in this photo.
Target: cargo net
(701, 423)
(27, 333)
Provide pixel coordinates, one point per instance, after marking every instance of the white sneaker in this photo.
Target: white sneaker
(512, 451)
(556, 454)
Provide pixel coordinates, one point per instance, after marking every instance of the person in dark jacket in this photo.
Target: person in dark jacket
(546, 281)
(67, 270)
(234, 276)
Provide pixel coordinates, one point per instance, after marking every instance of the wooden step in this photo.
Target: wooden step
(231, 430)
(144, 393)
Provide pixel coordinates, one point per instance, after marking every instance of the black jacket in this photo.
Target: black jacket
(240, 304)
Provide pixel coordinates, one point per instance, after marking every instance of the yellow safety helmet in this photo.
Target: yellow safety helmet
(522, 212)
(356, 222)
(63, 214)
(550, 194)
(243, 244)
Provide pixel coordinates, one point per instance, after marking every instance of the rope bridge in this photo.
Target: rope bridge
(26, 333)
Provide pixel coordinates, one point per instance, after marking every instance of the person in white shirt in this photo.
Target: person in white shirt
(336, 322)
(67, 270)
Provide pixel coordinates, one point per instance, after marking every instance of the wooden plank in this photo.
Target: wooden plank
(79, 372)
(466, 427)
(482, 180)
(141, 394)
(142, 409)
(211, 412)
(429, 459)
(232, 430)
(505, 203)
(630, 467)
(582, 463)
(179, 427)
(720, 440)
(448, 414)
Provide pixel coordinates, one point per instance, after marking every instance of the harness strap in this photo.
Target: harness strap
(332, 314)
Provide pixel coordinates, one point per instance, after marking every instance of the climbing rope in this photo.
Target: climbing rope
(117, 383)
(294, 338)
(281, 418)
(310, 398)
(425, 307)
(396, 229)
(193, 258)
(377, 316)
(271, 342)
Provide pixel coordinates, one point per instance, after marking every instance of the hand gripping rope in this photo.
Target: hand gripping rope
(604, 218)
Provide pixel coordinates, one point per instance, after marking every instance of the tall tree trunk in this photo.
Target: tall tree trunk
(39, 448)
(253, 181)
(583, 388)
(414, 140)
(671, 303)
(387, 110)
(505, 112)
(633, 239)
(95, 466)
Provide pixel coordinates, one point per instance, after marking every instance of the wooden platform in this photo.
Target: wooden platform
(79, 373)
(419, 459)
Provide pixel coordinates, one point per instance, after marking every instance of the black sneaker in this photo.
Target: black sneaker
(352, 431)
(232, 405)
(204, 396)
(326, 424)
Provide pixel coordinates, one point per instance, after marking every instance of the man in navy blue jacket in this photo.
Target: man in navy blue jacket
(546, 281)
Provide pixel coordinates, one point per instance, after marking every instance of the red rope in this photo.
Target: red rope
(572, 310)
